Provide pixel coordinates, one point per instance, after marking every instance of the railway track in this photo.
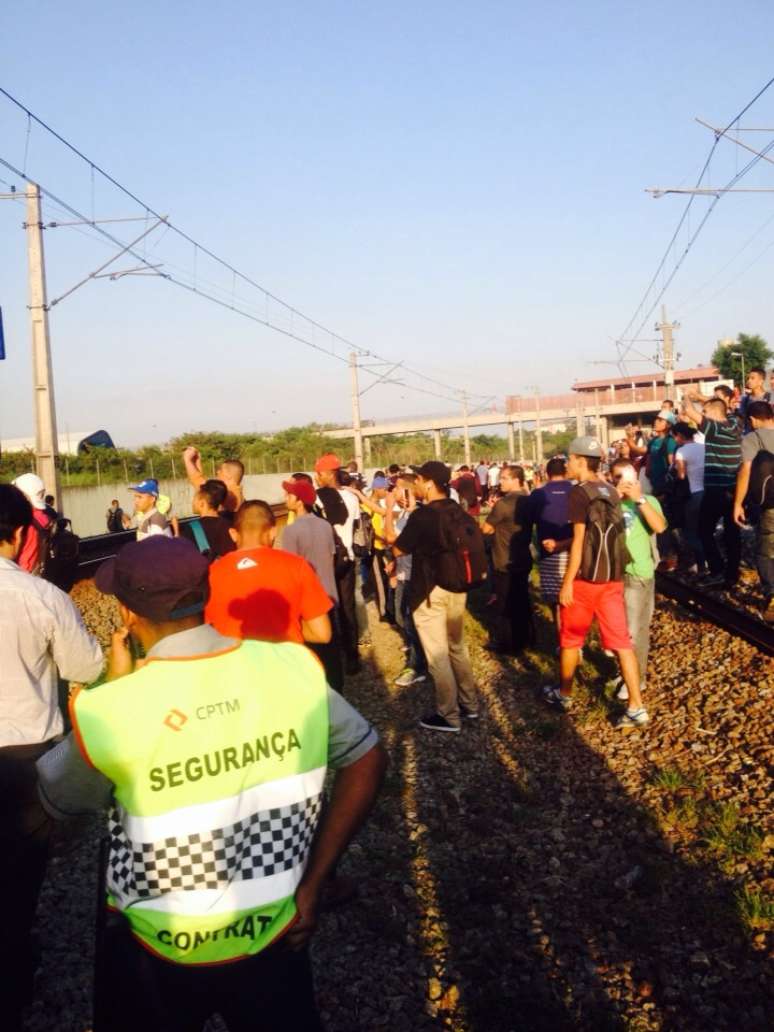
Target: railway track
(730, 617)
(95, 550)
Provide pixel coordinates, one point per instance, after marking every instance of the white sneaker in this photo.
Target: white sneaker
(623, 691)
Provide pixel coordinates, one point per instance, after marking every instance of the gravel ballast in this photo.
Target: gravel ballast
(538, 871)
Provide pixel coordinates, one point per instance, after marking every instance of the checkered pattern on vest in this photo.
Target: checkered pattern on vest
(263, 844)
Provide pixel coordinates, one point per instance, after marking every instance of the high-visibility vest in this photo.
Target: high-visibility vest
(218, 764)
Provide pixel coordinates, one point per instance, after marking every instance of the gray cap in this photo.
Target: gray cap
(588, 446)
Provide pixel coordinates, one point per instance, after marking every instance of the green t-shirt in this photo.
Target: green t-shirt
(638, 538)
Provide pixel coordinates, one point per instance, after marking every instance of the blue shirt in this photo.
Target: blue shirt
(548, 511)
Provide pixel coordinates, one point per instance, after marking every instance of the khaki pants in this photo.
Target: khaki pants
(440, 626)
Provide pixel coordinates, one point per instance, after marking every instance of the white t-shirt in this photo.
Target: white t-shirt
(494, 476)
(693, 456)
(346, 531)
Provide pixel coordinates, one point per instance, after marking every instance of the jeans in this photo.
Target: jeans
(345, 583)
(691, 528)
(514, 627)
(717, 504)
(24, 842)
(415, 657)
(440, 624)
(329, 653)
(271, 990)
(640, 602)
(764, 551)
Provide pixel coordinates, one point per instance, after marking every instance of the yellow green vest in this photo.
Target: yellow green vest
(218, 764)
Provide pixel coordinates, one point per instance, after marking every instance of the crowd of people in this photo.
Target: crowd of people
(222, 704)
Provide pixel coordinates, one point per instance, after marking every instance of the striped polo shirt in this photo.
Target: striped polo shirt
(722, 452)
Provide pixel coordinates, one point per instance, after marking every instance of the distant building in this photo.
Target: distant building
(71, 443)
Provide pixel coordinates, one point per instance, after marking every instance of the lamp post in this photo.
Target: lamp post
(740, 354)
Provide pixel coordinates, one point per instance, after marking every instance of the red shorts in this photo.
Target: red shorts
(606, 602)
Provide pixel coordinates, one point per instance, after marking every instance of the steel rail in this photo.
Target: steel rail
(736, 621)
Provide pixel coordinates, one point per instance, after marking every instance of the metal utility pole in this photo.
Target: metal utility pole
(46, 442)
(465, 428)
(538, 430)
(358, 433)
(667, 352)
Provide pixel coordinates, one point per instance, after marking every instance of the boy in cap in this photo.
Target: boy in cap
(593, 585)
(213, 754)
(147, 518)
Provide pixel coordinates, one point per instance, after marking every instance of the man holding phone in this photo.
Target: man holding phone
(643, 517)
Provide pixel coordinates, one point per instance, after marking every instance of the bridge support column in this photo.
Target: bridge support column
(366, 451)
(511, 443)
(521, 442)
(580, 420)
(437, 444)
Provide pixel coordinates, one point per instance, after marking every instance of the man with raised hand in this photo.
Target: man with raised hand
(230, 471)
(214, 753)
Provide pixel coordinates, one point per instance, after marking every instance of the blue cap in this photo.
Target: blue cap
(380, 482)
(149, 486)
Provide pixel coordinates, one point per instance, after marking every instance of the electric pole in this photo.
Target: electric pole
(465, 428)
(358, 433)
(46, 441)
(538, 429)
(667, 351)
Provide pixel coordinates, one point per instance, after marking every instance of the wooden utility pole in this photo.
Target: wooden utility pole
(46, 441)
(356, 427)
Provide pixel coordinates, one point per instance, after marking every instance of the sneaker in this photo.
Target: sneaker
(553, 697)
(639, 718)
(468, 714)
(408, 677)
(435, 722)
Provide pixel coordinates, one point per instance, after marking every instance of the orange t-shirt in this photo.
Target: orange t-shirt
(264, 593)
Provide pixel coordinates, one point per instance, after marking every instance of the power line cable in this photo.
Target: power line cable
(681, 222)
(292, 311)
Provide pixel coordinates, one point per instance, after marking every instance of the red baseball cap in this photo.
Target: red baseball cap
(327, 462)
(302, 489)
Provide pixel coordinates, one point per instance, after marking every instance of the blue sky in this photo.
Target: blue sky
(458, 186)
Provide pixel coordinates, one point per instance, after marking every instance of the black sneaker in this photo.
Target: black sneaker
(435, 722)
(468, 714)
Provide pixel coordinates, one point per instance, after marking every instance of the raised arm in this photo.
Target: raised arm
(193, 466)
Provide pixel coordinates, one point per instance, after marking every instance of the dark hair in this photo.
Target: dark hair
(393, 469)
(15, 511)
(757, 369)
(684, 429)
(49, 499)
(464, 469)
(343, 479)
(760, 410)
(725, 390)
(593, 462)
(301, 476)
(556, 467)
(235, 467)
(517, 472)
(410, 478)
(255, 512)
(215, 491)
(114, 500)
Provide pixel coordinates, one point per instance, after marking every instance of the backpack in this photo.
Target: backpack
(605, 554)
(60, 558)
(761, 489)
(363, 537)
(115, 520)
(461, 564)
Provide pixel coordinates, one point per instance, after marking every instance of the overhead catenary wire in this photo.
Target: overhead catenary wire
(293, 312)
(623, 346)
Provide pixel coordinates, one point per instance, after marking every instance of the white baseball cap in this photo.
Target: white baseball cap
(33, 487)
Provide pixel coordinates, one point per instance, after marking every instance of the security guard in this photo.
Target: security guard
(213, 753)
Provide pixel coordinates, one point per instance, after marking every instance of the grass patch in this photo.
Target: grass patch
(728, 836)
(673, 779)
(755, 909)
(682, 815)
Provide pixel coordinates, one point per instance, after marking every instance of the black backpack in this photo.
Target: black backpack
(761, 490)
(461, 564)
(60, 559)
(605, 554)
